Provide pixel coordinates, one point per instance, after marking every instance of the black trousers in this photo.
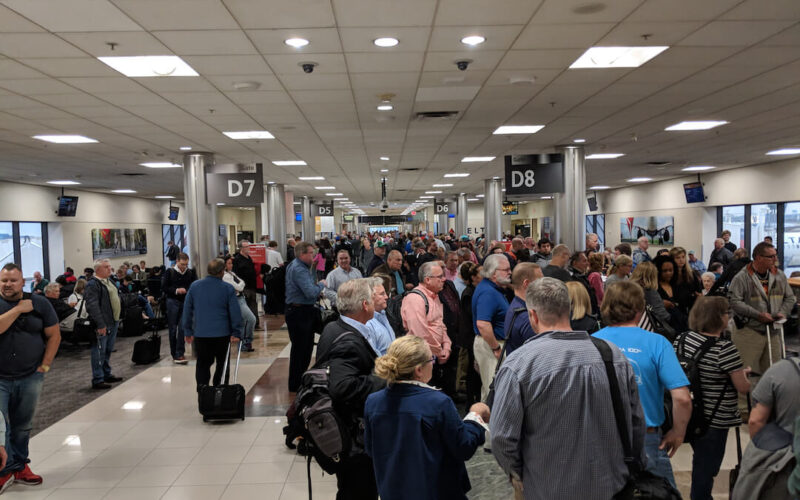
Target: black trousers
(250, 297)
(300, 321)
(356, 479)
(444, 375)
(210, 350)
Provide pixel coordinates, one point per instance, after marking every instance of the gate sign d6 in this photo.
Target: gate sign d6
(241, 189)
(534, 174)
(324, 209)
(444, 207)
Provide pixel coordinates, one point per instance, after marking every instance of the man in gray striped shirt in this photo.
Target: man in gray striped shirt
(553, 425)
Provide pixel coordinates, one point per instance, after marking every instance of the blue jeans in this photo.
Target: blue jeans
(101, 354)
(148, 309)
(658, 460)
(177, 346)
(709, 451)
(18, 398)
(249, 321)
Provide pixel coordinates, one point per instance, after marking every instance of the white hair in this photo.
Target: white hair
(99, 262)
(351, 294)
(490, 265)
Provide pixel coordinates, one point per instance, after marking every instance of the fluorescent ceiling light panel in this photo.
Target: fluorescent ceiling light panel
(123, 191)
(518, 129)
(186, 148)
(249, 134)
(473, 40)
(442, 185)
(341, 199)
(784, 151)
(384, 170)
(149, 66)
(474, 159)
(698, 168)
(433, 192)
(696, 125)
(333, 194)
(599, 187)
(64, 183)
(479, 195)
(427, 197)
(385, 107)
(473, 199)
(160, 164)
(604, 156)
(324, 188)
(616, 57)
(578, 141)
(165, 197)
(65, 139)
(317, 178)
(462, 174)
(296, 42)
(639, 179)
(386, 42)
(384, 158)
(289, 163)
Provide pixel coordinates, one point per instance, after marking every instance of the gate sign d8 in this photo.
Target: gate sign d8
(534, 174)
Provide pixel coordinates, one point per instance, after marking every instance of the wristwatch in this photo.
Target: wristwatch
(45, 368)
(497, 348)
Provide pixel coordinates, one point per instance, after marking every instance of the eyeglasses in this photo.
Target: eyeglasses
(433, 359)
(771, 256)
(507, 269)
(441, 276)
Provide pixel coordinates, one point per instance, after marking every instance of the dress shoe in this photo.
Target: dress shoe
(101, 386)
(113, 379)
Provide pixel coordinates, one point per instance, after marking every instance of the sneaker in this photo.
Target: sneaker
(26, 476)
(180, 361)
(112, 379)
(101, 386)
(6, 481)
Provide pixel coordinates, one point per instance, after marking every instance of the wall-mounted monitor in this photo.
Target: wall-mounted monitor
(592, 203)
(694, 192)
(348, 218)
(173, 213)
(67, 206)
(298, 217)
(510, 208)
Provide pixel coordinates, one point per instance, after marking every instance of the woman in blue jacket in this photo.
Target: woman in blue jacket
(417, 441)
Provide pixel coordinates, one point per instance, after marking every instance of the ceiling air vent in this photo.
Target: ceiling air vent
(436, 115)
(658, 163)
(410, 169)
(133, 174)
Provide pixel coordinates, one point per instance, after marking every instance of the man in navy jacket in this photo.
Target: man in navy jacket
(211, 313)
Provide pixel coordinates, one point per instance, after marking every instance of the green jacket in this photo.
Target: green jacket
(748, 299)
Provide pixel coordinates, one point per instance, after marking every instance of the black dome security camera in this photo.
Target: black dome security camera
(463, 64)
(308, 67)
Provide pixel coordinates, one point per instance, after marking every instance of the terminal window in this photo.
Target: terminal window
(733, 221)
(24, 244)
(791, 238)
(763, 222)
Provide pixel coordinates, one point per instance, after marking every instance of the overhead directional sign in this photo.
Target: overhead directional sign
(323, 209)
(534, 174)
(243, 188)
(444, 207)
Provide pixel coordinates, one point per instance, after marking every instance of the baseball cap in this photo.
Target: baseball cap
(691, 252)
(380, 243)
(464, 237)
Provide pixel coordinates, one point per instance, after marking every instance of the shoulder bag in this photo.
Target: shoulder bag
(84, 329)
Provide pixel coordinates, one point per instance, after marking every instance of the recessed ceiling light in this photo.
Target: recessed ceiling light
(784, 151)
(473, 40)
(698, 168)
(296, 42)
(271, 182)
(517, 129)
(385, 107)
(599, 187)
(164, 197)
(479, 196)
(186, 148)
(317, 178)
(426, 197)
(386, 42)
(333, 194)
(473, 199)
(289, 163)
(324, 188)
(543, 197)
(616, 57)
(251, 134)
(473, 159)
(341, 199)
(123, 191)
(149, 66)
(604, 156)
(696, 125)
(384, 158)
(579, 141)
(442, 185)
(639, 179)
(384, 170)
(64, 183)
(433, 192)
(463, 174)
(160, 164)
(65, 139)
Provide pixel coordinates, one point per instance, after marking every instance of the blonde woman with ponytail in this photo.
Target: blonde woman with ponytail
(412, 431)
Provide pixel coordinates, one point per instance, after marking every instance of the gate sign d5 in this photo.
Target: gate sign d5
(534, 174)
(240, 189)
(324, 209)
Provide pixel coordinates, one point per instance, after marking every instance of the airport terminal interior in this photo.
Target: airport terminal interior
(119, 119)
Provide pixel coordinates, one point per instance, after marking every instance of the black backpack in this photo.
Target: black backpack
(393, 311)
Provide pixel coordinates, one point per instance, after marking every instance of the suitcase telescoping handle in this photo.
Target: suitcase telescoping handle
(227, 359)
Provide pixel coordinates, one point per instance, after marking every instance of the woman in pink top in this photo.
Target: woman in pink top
(596, 263)
(319, 263)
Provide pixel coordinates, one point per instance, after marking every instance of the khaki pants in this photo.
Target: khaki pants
(487, 363)
(752, 347)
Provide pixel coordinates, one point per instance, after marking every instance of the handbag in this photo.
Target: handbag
(641, 484)
(84, 329)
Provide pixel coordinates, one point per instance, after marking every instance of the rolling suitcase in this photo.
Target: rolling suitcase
(147, 350)
(225, 401)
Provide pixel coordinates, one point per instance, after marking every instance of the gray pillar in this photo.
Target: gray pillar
(492, 210)
(309, 226)
(442, 220)
(262, 216)
(569, 221)
(201, 218)
(461, 215)
(276, 216)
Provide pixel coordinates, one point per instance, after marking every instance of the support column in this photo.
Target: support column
(442, 220)
(276, 216)
(492, 210)
(262, 216)
(308, 220)
(569, 221)
(461, 215)
(201, 218)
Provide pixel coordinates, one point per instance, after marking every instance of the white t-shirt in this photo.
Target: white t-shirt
(274, 258)
(78, 299)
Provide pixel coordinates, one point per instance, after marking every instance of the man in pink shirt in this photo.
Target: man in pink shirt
(451, 266)
(422, 314)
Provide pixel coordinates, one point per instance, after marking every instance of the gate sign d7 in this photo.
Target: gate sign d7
(534, 174)
(240, 189)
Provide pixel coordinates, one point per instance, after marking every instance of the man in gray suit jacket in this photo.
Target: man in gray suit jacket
(104, 308)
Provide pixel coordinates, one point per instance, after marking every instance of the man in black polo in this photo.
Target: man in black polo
(29, 339)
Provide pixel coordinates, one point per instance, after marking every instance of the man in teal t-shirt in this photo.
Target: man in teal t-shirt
(657, 370)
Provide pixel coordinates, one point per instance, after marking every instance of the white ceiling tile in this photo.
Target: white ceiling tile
(70, 66)
(12, 70)
(290, 64)
(734, 33)
(370, 63)
(178, 14)
(681, 10)
(361, 39)
(552, 36)
(34, 86)
(228, 65)
(536, 59)
(265, 14)
(321, 40)
(70, 100)
(130, 99)
(381, 81)
(563, 11)
(176, 84)
(699, 57)
(206, 42)
(448, 38)
(541, 77)
(11, 22)
(789, 37)
(128, 44)
(18, 45)
(658, 34)
(484, 12)
(350, 13)
(761, 10)
(105, 84)
(226, 82)
(334, 81)
(446, 61)
(74, 15)
(258, 98)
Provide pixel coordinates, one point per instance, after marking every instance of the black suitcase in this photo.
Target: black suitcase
(226, 401)
(133, 323)
(147, 350)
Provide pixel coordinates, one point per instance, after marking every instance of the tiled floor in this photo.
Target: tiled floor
(161, 449)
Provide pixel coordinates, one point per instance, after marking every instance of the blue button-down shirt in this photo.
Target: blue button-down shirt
(380, 332)
(300, 286)
(360, 328)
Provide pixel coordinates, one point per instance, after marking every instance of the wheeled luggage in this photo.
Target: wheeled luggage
(224, 401)
(147, 350)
